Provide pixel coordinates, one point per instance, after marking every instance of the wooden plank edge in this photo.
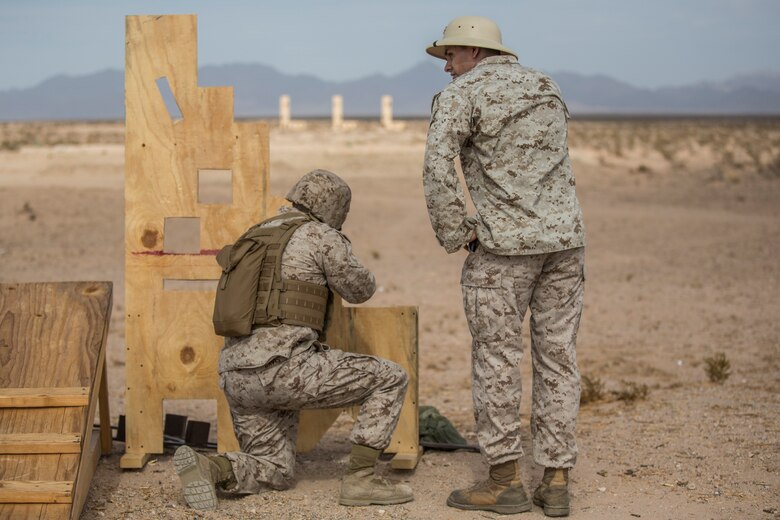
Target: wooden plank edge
(406, 459)
(36, 491)
(28, 443)
(43, 397)
(87, 465)
(106, 439)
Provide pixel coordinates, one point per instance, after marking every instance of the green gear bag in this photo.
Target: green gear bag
(436, 428)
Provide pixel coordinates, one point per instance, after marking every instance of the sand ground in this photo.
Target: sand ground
(683, 229)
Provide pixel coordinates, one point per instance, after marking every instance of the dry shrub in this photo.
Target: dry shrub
(632, 392)
(718, 367)
(592, 390)
(11, 146)
(771, 170)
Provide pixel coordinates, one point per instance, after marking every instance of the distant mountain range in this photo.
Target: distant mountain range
(258, 87)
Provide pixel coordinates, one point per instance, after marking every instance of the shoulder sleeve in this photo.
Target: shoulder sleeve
(444, 195)
(343, 271)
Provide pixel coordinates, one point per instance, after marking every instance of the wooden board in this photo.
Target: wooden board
(52, 344)
(390, 333)
(24, 491)
(40, 443)
(43, 397)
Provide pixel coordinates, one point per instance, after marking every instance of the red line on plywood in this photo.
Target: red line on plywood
(157, 252)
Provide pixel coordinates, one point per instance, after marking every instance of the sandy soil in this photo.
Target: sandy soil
(683, 224)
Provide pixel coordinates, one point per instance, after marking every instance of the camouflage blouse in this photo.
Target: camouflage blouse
(316, 253)
(507, 123)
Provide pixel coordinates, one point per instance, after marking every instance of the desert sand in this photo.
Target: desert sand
(683, 232)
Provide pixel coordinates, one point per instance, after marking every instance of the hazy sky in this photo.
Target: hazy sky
(647, 43)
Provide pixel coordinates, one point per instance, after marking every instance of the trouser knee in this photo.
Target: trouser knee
(397, 376)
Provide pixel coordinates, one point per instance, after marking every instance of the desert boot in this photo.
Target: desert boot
(502, 492)
(361, 486)
(553, 493)
(200, 475)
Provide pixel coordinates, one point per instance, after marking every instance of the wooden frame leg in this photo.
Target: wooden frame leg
(106, 439)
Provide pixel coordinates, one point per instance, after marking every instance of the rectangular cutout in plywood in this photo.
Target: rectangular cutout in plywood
(215, 186)
(196, 410)
(181, 235)
(190, 285)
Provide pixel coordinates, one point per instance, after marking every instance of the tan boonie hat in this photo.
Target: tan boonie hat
(470, 31)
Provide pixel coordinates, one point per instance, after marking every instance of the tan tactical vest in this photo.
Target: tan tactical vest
(251, 289)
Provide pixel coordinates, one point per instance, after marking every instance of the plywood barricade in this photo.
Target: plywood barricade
(387, 332)
(172, 350)
(52, 380)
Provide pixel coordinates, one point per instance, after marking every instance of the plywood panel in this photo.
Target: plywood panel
(172, 350)
(390, 333)
(45, 327)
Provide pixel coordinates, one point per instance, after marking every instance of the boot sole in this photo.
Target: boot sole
(388, 502)
(199, 492)
(497, 508)
(552, 511)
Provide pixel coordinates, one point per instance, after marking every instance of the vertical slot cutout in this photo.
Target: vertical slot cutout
(174, 111)
(182, 235)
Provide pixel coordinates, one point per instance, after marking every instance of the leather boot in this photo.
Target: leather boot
(200, 475)
(502, 493)
(553, 493)
(362, 487)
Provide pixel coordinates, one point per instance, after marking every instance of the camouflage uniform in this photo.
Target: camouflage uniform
(507, 124)
(271, 374)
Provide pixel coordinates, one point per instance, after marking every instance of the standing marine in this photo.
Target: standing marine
(507, 125)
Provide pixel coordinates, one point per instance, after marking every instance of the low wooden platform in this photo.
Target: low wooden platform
(52, 380)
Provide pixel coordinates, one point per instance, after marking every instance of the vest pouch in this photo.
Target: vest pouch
(236, 298)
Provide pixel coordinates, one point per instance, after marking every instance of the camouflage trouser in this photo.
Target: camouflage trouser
(497, 290)
(264, 403)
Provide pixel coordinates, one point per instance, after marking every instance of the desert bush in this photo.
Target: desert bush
(632, 392)
(11, 146)
(771, 170)
(718, 367)
(592, 390)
